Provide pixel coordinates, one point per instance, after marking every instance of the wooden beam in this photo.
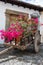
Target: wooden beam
(5, 50)
(8, 11)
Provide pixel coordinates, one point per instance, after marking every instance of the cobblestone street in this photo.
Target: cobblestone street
(27, 57)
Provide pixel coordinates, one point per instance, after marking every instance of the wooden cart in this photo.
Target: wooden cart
(34, 40)
(32, 37)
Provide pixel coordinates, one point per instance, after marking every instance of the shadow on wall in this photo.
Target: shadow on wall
(41, 38)
(1, 41)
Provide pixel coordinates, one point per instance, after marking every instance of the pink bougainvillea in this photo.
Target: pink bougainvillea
(35, 20)
(12, 32)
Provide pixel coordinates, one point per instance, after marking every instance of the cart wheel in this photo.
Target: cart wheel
(37, 42)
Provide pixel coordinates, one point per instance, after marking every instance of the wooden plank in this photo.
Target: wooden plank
(15, 12)
(5, 50)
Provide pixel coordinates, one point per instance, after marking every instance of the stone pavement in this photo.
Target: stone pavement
(27, 57)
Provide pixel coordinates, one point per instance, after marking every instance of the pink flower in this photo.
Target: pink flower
(11, 32)
(36, 20)
(12, 24)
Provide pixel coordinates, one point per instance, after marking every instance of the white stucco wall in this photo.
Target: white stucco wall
(41, 26)
(3, 8)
